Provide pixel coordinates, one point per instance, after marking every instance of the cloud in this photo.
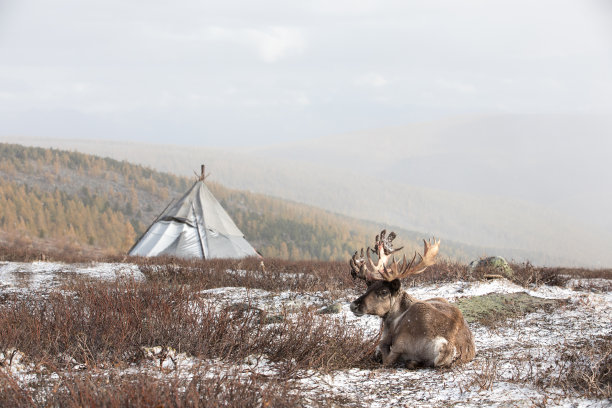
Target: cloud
(372, 80)
(271, 44)
(457, 86)
(318, 64)
(302, 100)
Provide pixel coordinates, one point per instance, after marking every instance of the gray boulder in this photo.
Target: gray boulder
(494, 266)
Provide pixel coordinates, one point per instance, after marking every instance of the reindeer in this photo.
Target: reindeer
(431, 333)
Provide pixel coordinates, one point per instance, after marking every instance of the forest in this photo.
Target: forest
(104, 204)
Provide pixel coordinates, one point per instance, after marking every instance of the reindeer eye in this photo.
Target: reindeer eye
(383, 292)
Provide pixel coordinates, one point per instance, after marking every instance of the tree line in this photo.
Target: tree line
(54, 194)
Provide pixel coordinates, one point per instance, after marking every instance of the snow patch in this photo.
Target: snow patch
(24, 277)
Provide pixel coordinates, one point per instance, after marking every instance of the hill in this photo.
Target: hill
(524, 184)
(102, 203)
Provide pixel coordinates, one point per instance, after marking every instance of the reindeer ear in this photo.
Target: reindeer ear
(396, 284)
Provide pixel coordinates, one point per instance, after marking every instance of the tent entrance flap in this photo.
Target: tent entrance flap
(178, 219)
(169, 238)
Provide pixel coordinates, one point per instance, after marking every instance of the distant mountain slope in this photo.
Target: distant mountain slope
(530, 157)
(104, 203)
(444, 178)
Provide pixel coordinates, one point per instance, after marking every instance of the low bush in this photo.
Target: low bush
(200, 389)
(104, 323)
(585, 368)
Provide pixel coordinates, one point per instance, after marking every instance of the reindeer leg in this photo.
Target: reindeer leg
(378, 355)
(390, 358)
(383, 350)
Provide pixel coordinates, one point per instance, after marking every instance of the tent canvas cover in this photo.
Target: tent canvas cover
(196, 226)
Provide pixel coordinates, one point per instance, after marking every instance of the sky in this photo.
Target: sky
(245, 73)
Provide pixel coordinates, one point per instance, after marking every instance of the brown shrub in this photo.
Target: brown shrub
(12, 394)
(579, 369)
(19, 248)
(442, 271)
(309, 275)
(526, 274)
(278, 274)
(586, 368)
(109, 322)
(145, 390)
(281, 274)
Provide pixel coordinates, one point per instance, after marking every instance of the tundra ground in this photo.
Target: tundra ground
(176, 333)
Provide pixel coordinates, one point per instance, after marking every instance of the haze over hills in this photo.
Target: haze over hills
(57, 200)
(557, 162)
(543, 191)
(535, 158)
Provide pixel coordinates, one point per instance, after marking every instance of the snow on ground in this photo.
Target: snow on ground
(453, 291)
(508, 356)
(265, 300)
(506, 353)
(16, 277)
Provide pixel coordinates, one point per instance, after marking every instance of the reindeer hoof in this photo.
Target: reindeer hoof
(412, 365)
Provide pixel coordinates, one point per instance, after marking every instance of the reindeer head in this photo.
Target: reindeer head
(383, 277)
(378, 298)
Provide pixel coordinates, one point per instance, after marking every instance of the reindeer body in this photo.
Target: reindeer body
(430, 333)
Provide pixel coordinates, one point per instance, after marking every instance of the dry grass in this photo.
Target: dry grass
(18, 248)
(526, 274)
(334, 276)
(583, 369)
(279, 275)
(106, 324)
(145, 390)
(101, 324)
(309, 275)
(493, 309)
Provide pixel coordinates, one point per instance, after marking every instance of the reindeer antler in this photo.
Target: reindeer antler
(386, 243)
(366, 269)
(357, 265)
(363, 268)
(404, 269)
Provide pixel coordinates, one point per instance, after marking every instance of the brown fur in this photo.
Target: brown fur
(420, 333)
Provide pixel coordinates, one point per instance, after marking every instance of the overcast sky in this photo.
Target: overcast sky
(222, 73)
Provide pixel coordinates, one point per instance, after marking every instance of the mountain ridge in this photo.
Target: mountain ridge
(367, 190)
(86, 200)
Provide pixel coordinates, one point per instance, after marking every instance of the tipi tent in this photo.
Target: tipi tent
(196, 226)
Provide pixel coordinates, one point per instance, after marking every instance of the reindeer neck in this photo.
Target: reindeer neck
(401, 303)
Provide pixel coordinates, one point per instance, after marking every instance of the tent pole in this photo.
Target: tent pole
(198, 229)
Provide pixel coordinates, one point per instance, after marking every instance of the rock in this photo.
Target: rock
(331, 309)
(166, 357)
(13, 360)
(273, 319)
(494, 266)
(239, 307)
